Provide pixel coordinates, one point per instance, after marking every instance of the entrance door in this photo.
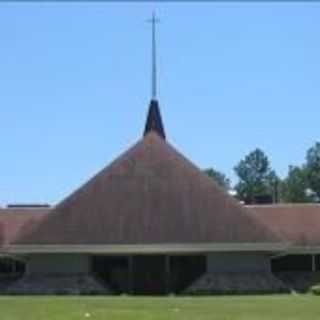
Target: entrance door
(149, 275)
(184, 270)
(114, 270)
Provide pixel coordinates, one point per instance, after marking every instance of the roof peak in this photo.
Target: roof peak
(154, 121)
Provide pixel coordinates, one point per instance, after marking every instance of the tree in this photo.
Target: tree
(256, 178)
(313, 168)
(295, 186)
(219, 177)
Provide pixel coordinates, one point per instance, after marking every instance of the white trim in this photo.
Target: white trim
(146, 249)
(303, 249)
(282, 205)
(278, 249)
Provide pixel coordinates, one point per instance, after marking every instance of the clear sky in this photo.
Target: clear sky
(75, 86)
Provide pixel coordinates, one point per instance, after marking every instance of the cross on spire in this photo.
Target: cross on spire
(154, 121)
(154, 20)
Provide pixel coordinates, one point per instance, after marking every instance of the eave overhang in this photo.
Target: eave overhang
(173, 248)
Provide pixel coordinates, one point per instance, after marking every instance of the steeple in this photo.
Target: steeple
(154, 121)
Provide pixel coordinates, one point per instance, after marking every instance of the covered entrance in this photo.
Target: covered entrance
(149, 274)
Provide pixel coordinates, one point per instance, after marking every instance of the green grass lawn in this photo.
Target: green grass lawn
(285, 307)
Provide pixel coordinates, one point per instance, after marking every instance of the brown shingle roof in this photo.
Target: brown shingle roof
(15, 221)
(151, 194)
(297, 223)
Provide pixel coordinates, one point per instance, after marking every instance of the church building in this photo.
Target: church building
(152, 222)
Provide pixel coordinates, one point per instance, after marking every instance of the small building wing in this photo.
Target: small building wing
(299, 224)
(16, 221)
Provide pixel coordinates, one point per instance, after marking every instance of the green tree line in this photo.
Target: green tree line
(258, 182)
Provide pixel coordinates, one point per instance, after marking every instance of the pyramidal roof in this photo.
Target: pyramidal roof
(151, 194)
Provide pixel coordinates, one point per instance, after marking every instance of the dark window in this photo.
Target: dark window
(292, 263)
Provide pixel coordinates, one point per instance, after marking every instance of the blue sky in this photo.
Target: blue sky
(75, 86)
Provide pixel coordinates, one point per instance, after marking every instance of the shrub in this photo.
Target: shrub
(315, 290)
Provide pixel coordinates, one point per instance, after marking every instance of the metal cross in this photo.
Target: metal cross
(153, 21)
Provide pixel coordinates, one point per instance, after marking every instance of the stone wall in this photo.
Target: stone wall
(57, 284)
(56, 274)
(299, 281)
(237, 283)
(237, 273)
